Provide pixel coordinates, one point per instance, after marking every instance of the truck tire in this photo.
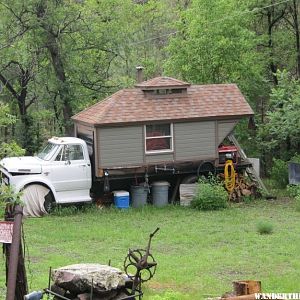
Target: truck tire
(38, 200)
(49, 203)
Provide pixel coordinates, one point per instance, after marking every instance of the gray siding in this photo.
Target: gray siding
(195, 140)
(120, 146)
(224, 128)
(84, 130)
(153, 158)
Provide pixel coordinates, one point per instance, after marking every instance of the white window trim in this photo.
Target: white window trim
(162, 136)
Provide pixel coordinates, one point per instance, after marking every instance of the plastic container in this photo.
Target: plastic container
(160, 193)
(121, 199)
(139, 195)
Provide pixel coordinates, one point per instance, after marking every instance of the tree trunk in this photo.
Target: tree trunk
(53, 48)
(63, 85)
(297, 35)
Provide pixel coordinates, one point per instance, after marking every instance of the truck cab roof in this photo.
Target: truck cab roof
(66, 140)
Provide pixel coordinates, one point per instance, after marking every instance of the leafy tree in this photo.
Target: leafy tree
(280, 135)
(8, 148)
(213, 48)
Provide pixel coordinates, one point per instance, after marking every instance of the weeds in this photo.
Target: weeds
(265, 227)
(297, 199)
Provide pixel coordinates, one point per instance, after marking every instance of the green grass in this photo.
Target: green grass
(199, 254)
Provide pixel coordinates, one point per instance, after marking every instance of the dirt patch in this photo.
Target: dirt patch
(155, 285)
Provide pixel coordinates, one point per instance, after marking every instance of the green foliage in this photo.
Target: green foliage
(279, 173)
(6, 118)
(264, 227)
(210, 195)
(293, 190)
(11, 149)
(210, 51)
(297, 199)
(280, 134)
(8, 195)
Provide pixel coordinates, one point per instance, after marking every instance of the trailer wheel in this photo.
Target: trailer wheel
(190, 179)
(205, 168)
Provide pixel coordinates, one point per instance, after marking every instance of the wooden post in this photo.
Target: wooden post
(15, 268)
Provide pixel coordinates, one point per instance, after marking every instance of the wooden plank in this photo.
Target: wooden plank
(187, 193)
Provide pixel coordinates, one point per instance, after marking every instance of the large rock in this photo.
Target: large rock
(78, 279)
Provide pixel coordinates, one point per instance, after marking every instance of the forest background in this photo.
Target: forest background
(58, 57)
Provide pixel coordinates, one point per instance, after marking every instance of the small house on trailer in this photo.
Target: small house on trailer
(160, 125)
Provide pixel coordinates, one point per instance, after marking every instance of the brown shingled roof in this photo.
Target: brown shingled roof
(199, 102)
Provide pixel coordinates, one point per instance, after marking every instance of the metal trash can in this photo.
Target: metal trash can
(139, 195)
(160, 193)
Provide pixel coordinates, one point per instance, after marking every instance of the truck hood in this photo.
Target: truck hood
(22, 165)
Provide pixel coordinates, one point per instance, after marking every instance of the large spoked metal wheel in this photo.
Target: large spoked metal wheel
(131, 261)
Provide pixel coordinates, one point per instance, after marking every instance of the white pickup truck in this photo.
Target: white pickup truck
(60, 173)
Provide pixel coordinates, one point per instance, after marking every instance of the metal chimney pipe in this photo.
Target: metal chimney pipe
(139, 74)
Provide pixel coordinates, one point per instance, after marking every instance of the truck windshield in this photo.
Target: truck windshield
(48, 151)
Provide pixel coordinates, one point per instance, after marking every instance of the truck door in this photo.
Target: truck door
(70, 170)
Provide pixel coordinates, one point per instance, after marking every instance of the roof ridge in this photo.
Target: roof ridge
(162, 81)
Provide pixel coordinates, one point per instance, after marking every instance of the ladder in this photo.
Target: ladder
(249, 170)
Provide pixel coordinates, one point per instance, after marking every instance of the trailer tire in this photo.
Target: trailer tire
(205, 168)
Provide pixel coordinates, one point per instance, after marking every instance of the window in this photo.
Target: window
(75, 152)
(70, 152)
(158, 138)
(48, 151)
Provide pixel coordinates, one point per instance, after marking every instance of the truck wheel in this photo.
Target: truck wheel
(49, 203)
(38, 200)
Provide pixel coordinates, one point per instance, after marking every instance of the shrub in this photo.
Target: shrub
(279, 173)
(210, 195)
(265, 227)
(297, 198)
(293, 190)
